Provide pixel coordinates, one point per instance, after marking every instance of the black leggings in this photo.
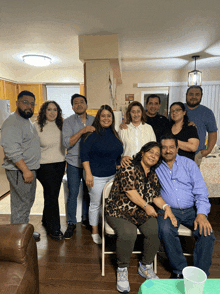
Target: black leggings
(50, 176)
(126, 236)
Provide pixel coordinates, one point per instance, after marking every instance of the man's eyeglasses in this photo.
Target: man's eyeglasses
(26, 102)
(176, 110)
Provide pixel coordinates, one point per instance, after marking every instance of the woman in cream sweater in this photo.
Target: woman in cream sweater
(52, 165)
(135, 133)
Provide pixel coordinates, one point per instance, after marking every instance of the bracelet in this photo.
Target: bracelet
(145, 205)
(165, 206)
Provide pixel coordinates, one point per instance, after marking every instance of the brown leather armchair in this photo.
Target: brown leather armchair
(18, 260)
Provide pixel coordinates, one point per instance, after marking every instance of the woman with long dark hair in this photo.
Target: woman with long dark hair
(187, 136)
(128, 207)
(100, 154)
(52, 164)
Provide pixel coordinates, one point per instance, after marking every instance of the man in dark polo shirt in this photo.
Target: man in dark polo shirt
(159, 123)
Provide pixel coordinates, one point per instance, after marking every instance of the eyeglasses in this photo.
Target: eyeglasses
(176, 110)
(26, 102)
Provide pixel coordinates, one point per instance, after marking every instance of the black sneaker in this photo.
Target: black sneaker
(85, 222)
(69, 231)
(57, 235)
(176, 276)
(36, 236)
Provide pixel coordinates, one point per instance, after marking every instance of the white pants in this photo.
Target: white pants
(95, 193)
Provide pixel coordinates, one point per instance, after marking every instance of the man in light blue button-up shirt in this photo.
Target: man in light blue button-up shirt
(73, 128)
(184, 190)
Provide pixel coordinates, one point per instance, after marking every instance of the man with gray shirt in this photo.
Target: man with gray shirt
(21, 146)
(73, 128)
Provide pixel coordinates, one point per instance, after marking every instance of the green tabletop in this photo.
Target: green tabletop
(174, 286)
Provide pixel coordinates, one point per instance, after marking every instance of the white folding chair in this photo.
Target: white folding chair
(108, 230)
(184, 231)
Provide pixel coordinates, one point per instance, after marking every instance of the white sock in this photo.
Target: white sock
(96, 239)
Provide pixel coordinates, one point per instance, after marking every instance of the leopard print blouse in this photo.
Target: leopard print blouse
(131, 178)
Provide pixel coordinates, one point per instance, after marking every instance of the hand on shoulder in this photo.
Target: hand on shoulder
(125, 161)
(88, 129)
(191, 123)
(123, 125)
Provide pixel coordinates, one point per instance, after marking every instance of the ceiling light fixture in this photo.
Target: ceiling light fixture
(37, 60)
(195, 76)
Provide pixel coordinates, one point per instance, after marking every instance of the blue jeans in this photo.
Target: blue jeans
(74, 177)
(168, 234)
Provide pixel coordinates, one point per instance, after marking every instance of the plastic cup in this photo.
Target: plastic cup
(194, 280)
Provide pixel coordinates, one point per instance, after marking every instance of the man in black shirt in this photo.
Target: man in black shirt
(159, 123)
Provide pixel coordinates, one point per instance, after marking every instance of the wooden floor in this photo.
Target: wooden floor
(74, 266)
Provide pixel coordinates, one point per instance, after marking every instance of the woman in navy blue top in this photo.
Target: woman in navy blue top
(100, 154)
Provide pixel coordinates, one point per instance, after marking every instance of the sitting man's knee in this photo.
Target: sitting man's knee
(165, 230)
(164, 227)
(210, 237)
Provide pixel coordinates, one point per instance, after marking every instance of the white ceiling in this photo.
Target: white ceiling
(153, 35)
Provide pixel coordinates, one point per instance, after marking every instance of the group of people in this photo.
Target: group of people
(174, 185)
(150, 160)
(199, 116)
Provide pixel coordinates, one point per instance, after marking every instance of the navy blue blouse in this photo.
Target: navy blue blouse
(103, 151)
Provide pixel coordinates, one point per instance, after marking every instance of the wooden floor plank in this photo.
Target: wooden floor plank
(74, 266)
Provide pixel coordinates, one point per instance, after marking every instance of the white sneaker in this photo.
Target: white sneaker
(122, 280)
(147, 271)
(96, 239)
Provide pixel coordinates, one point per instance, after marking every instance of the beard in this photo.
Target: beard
(25, 114)
(193, 104)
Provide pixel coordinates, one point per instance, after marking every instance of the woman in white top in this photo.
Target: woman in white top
(52, 165)
(137, 132)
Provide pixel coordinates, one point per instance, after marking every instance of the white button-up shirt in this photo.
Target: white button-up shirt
(133, 138)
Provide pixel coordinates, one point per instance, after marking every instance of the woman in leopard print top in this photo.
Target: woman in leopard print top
(128, 207)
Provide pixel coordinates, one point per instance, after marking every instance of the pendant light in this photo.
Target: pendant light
(195, 76)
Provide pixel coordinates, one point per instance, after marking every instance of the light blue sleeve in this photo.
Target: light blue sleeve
(199, 189)
(67, 132)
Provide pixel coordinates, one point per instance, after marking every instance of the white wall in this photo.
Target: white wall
(62, 95)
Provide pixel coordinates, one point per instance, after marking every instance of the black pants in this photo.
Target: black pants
(50, 176)
(126, 236)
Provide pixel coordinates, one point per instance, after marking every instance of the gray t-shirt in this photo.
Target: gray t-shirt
(20, 140)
